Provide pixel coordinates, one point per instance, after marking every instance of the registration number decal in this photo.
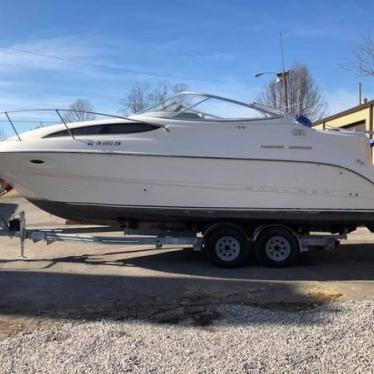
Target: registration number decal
(106, 143)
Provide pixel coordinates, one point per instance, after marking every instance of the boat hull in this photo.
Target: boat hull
(184, 216)
(117, 187)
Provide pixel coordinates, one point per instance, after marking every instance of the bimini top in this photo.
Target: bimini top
(201, 106)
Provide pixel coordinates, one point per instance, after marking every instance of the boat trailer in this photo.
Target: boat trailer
(16, 228)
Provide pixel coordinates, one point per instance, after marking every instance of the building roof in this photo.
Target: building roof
(345, 112)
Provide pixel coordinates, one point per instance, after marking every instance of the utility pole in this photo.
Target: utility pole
(284, 74)
(359, 93)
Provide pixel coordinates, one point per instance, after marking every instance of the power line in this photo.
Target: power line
(113, 68)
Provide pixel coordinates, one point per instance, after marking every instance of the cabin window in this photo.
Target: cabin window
(105, 129)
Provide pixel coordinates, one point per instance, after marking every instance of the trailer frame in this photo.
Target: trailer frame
(16, 228)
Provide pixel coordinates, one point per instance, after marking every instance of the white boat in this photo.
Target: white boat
(192, 160)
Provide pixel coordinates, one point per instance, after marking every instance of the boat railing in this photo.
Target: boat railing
(61, 114)
(347, 131)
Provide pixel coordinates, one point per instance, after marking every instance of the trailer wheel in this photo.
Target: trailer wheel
(277, 247)
(227, 246)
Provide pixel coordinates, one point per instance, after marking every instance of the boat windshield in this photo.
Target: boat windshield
(194, 106)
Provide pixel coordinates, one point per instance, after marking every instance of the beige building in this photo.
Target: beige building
(359, 118)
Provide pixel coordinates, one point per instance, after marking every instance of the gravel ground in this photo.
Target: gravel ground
(336, 337)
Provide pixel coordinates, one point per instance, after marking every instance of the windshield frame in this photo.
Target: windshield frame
(269, 113)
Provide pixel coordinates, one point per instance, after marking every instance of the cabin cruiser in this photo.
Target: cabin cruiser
(195, 159)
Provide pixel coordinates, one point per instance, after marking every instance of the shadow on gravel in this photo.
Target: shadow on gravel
(350, 262)
(188, 287)
(152, 299)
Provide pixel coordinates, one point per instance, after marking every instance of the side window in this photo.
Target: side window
(106, 129)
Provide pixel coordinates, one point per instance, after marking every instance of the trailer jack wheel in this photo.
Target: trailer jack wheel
(277, 247)
(227, 246)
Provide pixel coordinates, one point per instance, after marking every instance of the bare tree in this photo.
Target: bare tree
(137, 99)
(79, 111)
(142, 95)
(364, 56)
(303, 95)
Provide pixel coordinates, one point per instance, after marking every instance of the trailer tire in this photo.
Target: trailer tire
(277, 247)
(227, 246)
